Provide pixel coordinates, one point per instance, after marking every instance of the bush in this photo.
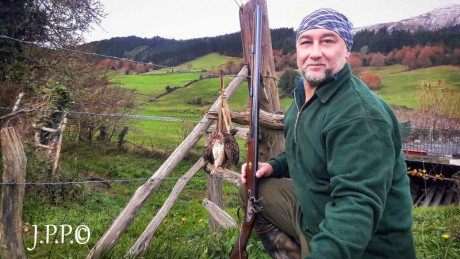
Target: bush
(287, 81)
(195, 101)
(121, 136)
(372, 81)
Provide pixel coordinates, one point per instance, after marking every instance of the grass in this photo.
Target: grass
(399, 87)
(209, 62)
(151, 85)
(430, 224)
(184, 232)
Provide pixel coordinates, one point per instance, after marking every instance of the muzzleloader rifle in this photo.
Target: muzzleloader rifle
(252, 206)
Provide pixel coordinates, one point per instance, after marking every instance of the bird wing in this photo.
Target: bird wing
(232, 150)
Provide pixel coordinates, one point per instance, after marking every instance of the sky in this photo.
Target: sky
(188, 19)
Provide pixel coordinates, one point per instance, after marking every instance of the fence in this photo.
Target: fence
(432, 142)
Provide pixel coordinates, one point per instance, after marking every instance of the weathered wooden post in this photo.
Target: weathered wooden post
(272, 142)
(14, 171)
(214, 193)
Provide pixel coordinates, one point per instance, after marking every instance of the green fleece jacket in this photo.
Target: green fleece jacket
(343, 153)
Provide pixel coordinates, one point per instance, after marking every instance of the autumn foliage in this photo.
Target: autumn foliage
(125, 66)
(355, 62)
(372, 81)
(411, 57)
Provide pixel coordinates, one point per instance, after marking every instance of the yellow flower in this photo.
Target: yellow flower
(200, 220)
(214, 233)
(184, 219)
(445, 236)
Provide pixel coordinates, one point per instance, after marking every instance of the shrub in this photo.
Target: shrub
(372, 81)
(287, 81)
(121, 136)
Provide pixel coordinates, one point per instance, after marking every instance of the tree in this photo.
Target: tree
(391, 58)
(55, 23)
(378, 60)
(456, 57)
(355, 62)
(423, 59)
(409, 59)
(287, 81)
(364, 50)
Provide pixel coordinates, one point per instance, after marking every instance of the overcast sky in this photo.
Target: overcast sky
(187, 19)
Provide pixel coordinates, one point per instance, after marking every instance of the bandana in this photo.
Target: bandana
(328, 19)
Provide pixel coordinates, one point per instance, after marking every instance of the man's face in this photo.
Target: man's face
(320, 53)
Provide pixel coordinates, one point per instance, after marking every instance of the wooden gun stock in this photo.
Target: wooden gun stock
(239, 250)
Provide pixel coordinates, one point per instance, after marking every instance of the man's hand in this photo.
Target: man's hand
(264, 170)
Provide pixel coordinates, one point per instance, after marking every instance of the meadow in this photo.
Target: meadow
(184, 232)
(399, 87)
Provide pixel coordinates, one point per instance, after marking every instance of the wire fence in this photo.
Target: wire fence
(114, 181)
(432, 142)
(176, 70)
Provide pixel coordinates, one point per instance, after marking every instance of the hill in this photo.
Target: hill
(446, 16)
(171, 52)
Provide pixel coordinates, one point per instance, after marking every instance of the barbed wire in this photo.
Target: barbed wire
(97, 54)
(115, 180)
(115, 115)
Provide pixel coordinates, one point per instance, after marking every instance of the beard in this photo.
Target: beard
(314, 79)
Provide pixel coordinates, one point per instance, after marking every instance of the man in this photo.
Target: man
(348, 193)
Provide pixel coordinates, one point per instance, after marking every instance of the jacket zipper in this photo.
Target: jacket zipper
(297, 119)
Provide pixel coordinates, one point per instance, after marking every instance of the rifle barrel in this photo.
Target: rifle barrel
(255, 88)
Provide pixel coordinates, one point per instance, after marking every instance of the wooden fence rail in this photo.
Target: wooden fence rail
(125, 218)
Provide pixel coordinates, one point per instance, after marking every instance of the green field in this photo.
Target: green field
(400, 87)
(209, 62)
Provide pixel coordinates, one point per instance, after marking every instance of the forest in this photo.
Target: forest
(171, 52)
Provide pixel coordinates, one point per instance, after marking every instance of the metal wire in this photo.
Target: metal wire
(114, 115)
(112, 181)
(179, 70)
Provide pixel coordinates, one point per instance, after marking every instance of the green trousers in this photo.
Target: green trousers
(280, 208)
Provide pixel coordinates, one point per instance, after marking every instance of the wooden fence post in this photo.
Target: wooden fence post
(214, 194)
(14, 171)
(272, 142)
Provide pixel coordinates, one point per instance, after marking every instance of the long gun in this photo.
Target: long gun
(252, 207)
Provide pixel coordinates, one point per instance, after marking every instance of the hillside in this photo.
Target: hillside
(446, 16)
(171, 52)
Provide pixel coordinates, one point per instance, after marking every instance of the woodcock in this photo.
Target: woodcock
(223, 150)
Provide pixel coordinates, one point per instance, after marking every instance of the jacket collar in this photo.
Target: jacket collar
(326, 89)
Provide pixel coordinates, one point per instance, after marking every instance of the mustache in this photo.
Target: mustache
(307, 63)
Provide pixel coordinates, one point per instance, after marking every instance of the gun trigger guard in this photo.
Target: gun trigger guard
(238, 213)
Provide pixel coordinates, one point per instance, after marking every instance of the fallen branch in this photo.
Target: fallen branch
(14, 113)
